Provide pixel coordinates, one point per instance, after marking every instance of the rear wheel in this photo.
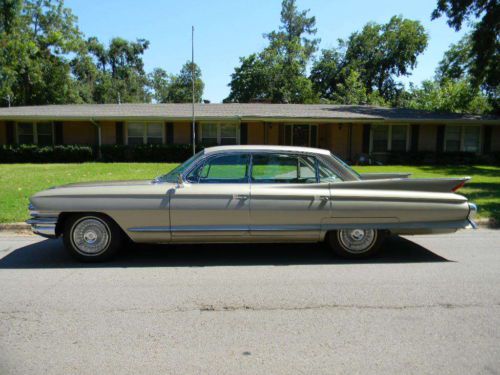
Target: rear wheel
(355, 243)
(91, 237)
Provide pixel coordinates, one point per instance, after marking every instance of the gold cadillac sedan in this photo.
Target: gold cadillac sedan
(231, 194)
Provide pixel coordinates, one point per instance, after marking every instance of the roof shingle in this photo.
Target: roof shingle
(229, 111)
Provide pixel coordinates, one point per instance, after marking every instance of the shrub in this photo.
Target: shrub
(45, 154)
(175, 153)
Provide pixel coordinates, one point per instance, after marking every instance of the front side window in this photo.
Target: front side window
(452, 138)
(301, 135)
(398, 138)
(35, 133)
(144, 133)
(219, 134)
(471, 138)
(462, 138)
(222, 169)
(380, 138)
(283, 168)
(26, 133)
(387, 138)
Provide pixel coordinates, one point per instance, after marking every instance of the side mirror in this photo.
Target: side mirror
(180, 181)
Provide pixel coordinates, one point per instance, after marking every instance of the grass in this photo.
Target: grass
(19, 181)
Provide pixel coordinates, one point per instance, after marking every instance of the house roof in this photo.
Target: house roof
(255, 111)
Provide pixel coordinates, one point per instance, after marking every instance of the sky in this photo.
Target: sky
(227, 30)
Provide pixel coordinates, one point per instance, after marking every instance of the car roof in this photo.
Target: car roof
(310, 150)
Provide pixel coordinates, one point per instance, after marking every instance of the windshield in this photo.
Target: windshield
(173, 175)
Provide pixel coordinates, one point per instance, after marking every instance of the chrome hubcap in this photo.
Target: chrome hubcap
(357, 241)
(90, 236)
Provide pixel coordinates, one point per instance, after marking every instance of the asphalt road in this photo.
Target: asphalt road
(424, 305)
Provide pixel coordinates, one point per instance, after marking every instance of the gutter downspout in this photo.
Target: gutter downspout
(99, 137)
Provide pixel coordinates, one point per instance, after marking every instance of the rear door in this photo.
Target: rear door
(213, 204)
(286, 199)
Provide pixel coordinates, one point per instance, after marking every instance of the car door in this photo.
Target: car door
(213, 203)
(286, 199)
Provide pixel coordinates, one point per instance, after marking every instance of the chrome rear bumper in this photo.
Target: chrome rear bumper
(472, 215)
(44, 226)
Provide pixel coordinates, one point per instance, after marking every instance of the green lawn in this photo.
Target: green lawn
(19, 181)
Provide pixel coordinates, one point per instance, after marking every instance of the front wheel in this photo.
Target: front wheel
(91, 237)
(355, 243)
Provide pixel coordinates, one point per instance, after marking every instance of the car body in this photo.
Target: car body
(252, 194)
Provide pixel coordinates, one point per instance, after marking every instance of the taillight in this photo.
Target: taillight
(459, 186)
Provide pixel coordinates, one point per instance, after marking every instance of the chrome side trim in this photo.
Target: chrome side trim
(149, 229)
(306, 227)
(415, 225)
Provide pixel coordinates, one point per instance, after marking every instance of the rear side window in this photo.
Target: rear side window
(283, 168)
(326, 173)
(222, 169)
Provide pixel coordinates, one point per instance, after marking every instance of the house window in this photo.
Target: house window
(41, 133)
(301, 135)
(139, 133)
(220, 134)
(462, 138)
(387, 138)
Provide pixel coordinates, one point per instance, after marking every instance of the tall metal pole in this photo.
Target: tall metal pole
(192, 79)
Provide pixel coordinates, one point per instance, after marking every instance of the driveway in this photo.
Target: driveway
(426, 304)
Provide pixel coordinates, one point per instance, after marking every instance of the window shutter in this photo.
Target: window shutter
(58, 133)
(366, 139)
(244, 133)
(440, 138)
(487, 135)
(415, 129)
(169, 133)
(10, 136)
(281, 134)
(119, 133)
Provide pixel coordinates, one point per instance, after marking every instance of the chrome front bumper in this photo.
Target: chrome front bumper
(44, 226)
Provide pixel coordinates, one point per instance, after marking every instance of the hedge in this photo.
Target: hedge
(437, 158)
(179, 152)
(108, 153)
(45, 154)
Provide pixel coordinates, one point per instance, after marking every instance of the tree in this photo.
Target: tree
(483, 43)
(36, 36)
(378, 53)
(383, 52)
(458, 96)
(177, 88)
(458, 64)
(278, 73)
(113, 74)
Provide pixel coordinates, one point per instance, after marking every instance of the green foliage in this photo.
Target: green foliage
(177, 88)
(378, 54)
(458, 64)
(44, 59)
(458, 96)
(36, 36)
(482, 47)
(146, 153)
(278, 73)
(46, 154)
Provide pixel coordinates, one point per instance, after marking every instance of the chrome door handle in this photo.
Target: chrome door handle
(324, 198)
(240, 196)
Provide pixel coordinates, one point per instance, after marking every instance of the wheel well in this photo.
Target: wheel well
(64, 216)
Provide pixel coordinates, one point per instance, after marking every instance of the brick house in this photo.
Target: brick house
(346, 130)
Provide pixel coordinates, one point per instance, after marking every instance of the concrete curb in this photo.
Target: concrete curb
(24, 228)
